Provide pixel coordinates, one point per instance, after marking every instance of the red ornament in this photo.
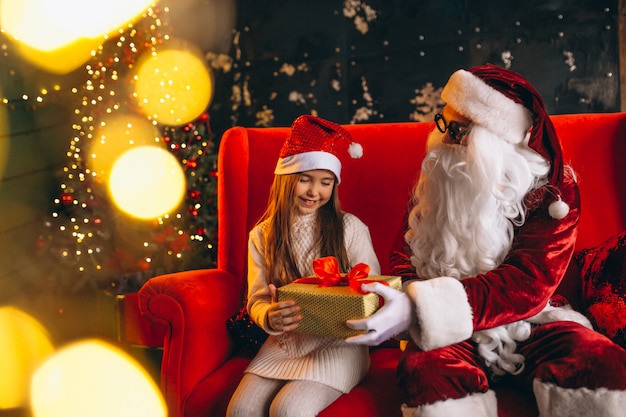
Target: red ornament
(143, 265)
(180, 243)
(40, 242)
(67, 199)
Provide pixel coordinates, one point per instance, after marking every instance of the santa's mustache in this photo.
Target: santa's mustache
(467, 200)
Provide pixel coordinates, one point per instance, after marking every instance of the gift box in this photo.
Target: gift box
(325, 306)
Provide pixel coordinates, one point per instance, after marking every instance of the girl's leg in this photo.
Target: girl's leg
(303, 399)
(253, 396)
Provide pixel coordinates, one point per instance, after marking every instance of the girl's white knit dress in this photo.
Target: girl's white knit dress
(299, 356)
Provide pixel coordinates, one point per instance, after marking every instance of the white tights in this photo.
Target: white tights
(262, 397)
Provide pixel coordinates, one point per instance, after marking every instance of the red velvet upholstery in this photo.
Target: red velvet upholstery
(134, 329)
(200, 371)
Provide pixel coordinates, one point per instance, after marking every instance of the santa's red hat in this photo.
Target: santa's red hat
(314, 143)
(505, 103)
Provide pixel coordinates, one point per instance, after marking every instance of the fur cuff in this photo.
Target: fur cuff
(480, 404)
(578, 402)
(444, 316)
(563, 313)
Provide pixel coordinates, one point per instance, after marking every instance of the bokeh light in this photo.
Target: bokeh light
(96, 379)
(173, 86)
(147, 182)
(116, 135)
(62, 60)
(24, 346)
(60, 35)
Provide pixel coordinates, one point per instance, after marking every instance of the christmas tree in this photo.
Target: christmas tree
(91, 242)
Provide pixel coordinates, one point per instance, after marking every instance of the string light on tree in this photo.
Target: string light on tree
(84, 220)
(90, 230)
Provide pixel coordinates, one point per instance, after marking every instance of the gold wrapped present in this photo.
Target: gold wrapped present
(327, 303)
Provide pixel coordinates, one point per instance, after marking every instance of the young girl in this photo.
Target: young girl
(297, 374)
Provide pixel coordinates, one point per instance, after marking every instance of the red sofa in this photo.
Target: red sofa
(201, 367)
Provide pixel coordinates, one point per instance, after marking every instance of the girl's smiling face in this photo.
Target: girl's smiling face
(314, 189)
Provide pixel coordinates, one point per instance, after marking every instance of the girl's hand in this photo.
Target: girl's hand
(282, 316)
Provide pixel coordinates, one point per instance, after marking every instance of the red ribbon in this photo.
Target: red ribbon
(327, 274)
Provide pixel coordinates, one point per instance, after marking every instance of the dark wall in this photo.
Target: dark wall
(385, 60)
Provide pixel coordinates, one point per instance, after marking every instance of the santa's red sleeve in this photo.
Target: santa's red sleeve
(448, 311)
(400, 259)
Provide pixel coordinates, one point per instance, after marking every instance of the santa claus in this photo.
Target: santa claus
(489, 237)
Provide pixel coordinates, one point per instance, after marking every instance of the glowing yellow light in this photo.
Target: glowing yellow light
(174, 86)
(117, 135)
(60, 35)
(96, 379)
(24, 345)
(61, 60)
(147, 182)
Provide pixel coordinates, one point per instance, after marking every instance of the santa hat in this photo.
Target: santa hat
(505, 103)
(314, 143)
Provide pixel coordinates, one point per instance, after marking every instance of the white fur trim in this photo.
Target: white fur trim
(551, 314)
(444, 316)
(555, 401)
(308, 161)
(486, 106)
(480, 404)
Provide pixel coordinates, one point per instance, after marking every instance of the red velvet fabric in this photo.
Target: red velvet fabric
(603, 271)
(133, 327)
(530, 274)
(200, 368)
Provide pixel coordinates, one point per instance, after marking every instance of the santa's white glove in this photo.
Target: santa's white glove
(393, 318)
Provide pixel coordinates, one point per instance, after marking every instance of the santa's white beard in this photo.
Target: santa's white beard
(468, 201)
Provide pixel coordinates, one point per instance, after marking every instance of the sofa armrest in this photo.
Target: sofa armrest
(194, 307)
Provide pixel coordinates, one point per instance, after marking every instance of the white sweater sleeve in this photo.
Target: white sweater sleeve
(359, 243)
(259, 298)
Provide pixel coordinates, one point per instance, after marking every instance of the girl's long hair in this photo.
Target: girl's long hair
(280, 262)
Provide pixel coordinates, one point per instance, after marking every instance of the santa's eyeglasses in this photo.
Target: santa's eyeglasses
(456, 130)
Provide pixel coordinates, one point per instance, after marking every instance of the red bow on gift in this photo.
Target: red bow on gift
(327, 274)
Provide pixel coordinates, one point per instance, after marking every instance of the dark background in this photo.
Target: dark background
(393, 69)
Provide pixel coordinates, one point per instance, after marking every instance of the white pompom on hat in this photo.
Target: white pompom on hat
(504, 102)
(314, 143)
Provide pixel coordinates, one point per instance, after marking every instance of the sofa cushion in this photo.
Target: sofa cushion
(603, 271)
